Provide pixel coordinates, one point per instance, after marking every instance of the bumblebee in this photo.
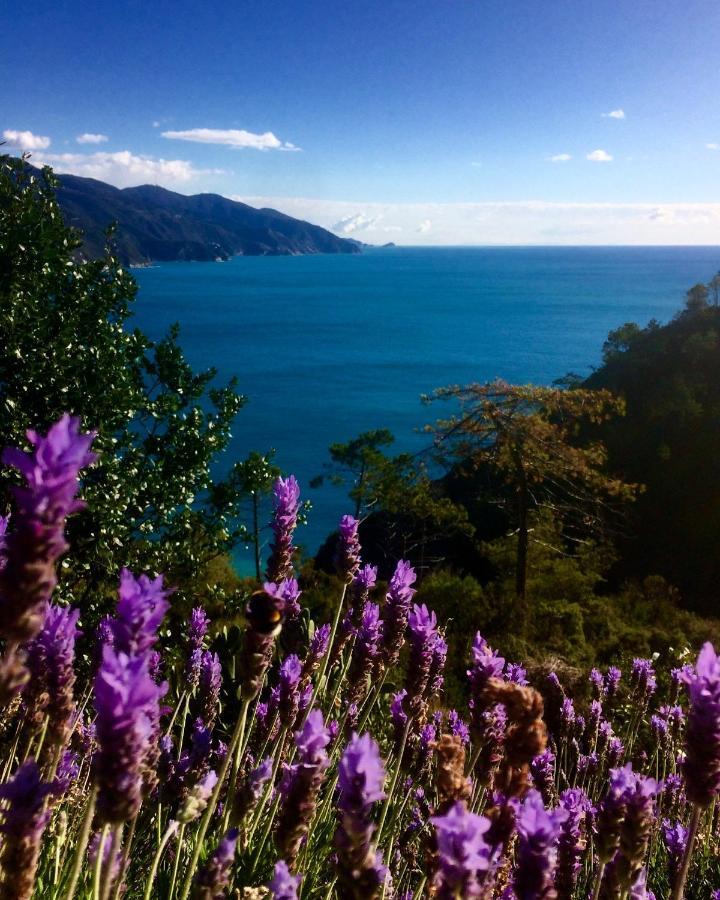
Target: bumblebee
(263, 614)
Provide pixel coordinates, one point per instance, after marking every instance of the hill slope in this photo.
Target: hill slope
(157, 225)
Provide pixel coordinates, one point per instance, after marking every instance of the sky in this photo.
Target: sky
(443, 122)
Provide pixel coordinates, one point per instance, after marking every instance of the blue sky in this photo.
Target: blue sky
(421, 122)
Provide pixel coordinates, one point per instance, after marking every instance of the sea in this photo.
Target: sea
(326, 347)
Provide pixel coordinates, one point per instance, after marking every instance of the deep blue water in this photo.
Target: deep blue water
(328, 346)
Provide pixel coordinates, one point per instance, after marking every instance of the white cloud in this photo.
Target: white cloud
(712, 146)
(358, 222)
(231, 137)
(559, 157)
(125, 169)
(88, 138)
(424, 226)
(476, 163)
(517, 222)
(599, 156)
(26, 140)
(614, 114)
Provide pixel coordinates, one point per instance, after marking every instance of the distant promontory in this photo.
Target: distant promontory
(157, 225)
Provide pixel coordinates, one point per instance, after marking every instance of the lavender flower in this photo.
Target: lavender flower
(301, 785)
(126, 701)
(361, 776)
(364, 653)
(611, 812)
(50, 660)
(398, 717)
(642, 678)
(486, 665)
(675, 836)
(197, 631)
(398, 601)
(210, 684)
(639, 800)
(213, 880)
(50, 470)
(423, 635)
(347, 557)
(464, 855)
(289, 683)
(542, 769)
(142, 604)
(363, 582)
(67, 772)
(283, 885)
(457, 727)
(4, 521)
(286, 501)
(538, 834)
(197, 799)
(319, 645)
(265, 614)
(24, 820)
(572, 840)
(702, 739)
(598, 684)
(250, 790)
(612, 682)
(288, 593)
(516, 673)
(437, 665)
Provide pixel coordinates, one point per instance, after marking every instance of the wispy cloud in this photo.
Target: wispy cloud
(125, 169)
(424, 226)
(614, 114)
(516, 222)
(89, 138)
(26, 140)
(358, 222)
(599, 156)
(712, 146)
(231, 137)
(559, 157)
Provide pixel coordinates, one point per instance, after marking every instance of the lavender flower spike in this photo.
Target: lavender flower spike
(265, 614)
(142, 604)
(283, 886)
(213, 879)
(286, 500)
(24, 820)
(702, 738)
(397, 608)
(50, 659)
(538, 833)
(423, 636)
(361, 777)
(126, 701)
(27, 576)
(464, 854)
(347, 557)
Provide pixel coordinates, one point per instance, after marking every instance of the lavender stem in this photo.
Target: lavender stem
(394, 780)
(81, 845)
(169, 832)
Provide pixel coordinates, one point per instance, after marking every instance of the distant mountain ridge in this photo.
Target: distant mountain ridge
(157, 225)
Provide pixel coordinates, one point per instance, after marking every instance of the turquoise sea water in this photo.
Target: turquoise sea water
(328, 346)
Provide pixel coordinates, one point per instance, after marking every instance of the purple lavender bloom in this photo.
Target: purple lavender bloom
(437, 665)
(142, 604)
(423, 635)
(50, 470)
(283, 885)
(486, 665)
(192, 669)
(361, 778)
(397, 609)
(265, 614)
(538, 834)
(4, 521)
(542, 769)
(516, 673)
(567, 716)
(638, 798)
(398, 716)
(675, 836)
(197, 799)
(319, 646)
(616, 751)
(598, 684)
(24, 819)
(289, 683)
(213, 880)
(286, 502)
(250, 790)
(572, 840)
(209, 686)
(50, 660)
(301, 785)
(126, 702)
(362, 584)
(67, 772)
(198, 628)
(612, 682)
(288, 593)
(611, 811)
(642, 678)
(464, 855)
(457, 727)
(701, 768)
(364, 654)
(347, 556)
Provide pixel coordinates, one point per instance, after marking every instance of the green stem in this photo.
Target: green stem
(176, 864)
(169, 832)
(107, 883)
(319, 684)
(81, 844)
(212, 804)
(393, 783)
(99, 862)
